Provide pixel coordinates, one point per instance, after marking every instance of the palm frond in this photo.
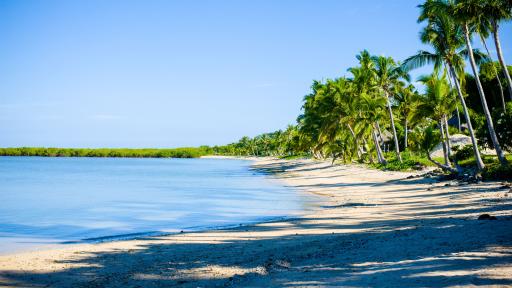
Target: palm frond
(421, 59)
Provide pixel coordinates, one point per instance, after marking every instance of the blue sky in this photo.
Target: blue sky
(181, 73)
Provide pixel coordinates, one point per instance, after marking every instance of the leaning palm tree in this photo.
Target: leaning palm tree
(388, 74)
(464, 12)
(497, 11)
(429, 139)
(446, 38)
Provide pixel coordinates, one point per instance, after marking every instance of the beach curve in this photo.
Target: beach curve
(374, 229)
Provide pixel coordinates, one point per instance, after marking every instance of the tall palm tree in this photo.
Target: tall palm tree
(446, 38)
(364, 83)
(388, 74)
(372, 110)
(464, 12)
(483, 27)
(497, 11)
(437, 102)
(407, 98)
(345, 108)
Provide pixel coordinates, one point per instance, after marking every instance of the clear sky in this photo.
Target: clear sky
(180, 73)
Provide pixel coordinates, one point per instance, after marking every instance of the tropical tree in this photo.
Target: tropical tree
(387, 75)
(466, 13)
(446, 38)
(364, 84)
(497, 11)
(372, 110)
(407, 98)
(437, 102)
(428, 140)
(482, 26)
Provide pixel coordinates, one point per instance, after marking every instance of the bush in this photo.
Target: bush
(463, 153)
(410, 161)
(502, 123)
(496, 171)
(192, 152)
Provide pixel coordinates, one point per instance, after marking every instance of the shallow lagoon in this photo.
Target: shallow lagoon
(67, 200)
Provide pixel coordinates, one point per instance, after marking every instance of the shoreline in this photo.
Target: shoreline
(372, 222)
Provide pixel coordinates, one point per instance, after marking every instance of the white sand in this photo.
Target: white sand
(377, 229)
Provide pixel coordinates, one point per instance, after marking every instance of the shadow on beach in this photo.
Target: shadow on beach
(431, 245)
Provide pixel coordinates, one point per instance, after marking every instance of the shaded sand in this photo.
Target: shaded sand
(375, 229)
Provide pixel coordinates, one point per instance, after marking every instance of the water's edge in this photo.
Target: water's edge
(263, 220)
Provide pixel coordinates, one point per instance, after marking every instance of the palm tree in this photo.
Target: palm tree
(387, 75)
(345, 108)
(407, 98)
(497, 11)
(372, 109)
(437, 102)
(482, 26)
(464, 11)
(428, 141)
(364, 83)
(446, 38)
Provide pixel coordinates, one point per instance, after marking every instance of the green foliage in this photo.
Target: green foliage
(494, 171)
(410, 161)
(108, 152)
(279, 144)
(502, 125)
(429, 139)
(488, 160)
(454, 130)
(464, 153)
(293, 157)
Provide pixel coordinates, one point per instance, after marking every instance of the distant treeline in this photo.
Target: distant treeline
(187, 152)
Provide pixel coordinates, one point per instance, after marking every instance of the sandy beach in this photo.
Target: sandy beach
(375, 229)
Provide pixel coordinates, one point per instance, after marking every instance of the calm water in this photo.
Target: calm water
(56, 200)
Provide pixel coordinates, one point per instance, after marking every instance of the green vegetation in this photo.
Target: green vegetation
(107, 152)
(376, 109)
(409, 161)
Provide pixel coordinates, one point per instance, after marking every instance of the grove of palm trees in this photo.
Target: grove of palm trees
(377, 114)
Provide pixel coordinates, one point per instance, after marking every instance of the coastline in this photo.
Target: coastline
(371, 223)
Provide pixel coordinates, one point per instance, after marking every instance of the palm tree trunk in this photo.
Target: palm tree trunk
(501, 59)
(490, 125)
(448, 141)
(502, 94)
(443, 141)
(444, 167)
(405, 132)
(458, 119)
(376, 143)
(359, 152)
(380, 156)
(479, 163)
(397, 148)
(456, 107)
(379, 136)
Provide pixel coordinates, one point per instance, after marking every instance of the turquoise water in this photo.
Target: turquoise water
(65, 200)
